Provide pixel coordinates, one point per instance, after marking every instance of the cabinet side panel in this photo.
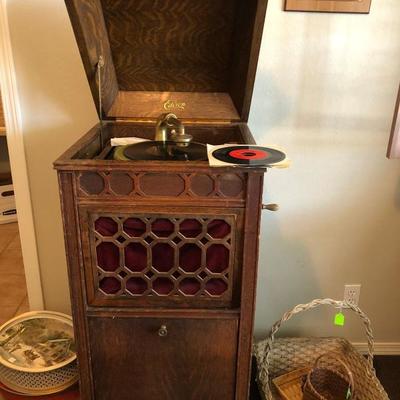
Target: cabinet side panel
(249, 280)
(76, 280)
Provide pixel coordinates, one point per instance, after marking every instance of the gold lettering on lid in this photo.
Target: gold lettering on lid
(170, 105)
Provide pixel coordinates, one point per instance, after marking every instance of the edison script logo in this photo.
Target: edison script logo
(171, 105)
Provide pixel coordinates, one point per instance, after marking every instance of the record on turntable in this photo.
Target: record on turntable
(162, 151)
(246, 156)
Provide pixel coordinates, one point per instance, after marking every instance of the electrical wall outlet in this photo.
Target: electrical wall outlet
(352, 294)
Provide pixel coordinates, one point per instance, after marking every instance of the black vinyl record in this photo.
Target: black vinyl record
(253, 156)
(166, 151)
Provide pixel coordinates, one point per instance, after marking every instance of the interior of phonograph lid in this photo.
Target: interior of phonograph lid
(194, 58)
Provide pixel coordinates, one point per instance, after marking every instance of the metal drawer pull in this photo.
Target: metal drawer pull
(163, 331)
(270, 207)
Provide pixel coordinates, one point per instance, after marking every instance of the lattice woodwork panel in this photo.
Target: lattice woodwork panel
(159, 184)
(176, 257)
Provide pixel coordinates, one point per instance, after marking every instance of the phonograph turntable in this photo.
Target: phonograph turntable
(173, 146)
(180, 147)
(162, 247)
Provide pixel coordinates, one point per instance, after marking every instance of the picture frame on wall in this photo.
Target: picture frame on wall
(394, 142)
(342, 6)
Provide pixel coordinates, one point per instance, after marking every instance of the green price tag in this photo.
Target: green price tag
(348, 394)
(339, 319)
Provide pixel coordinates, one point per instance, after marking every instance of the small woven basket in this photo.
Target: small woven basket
(287, 361)
(290, 386)
(325, 382)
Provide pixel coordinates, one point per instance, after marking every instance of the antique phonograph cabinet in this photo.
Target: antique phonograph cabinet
(162, 255)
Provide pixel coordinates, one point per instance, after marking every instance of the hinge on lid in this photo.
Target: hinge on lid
(100, 65)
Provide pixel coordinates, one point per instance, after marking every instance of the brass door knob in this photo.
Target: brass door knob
(270, 207)
(163, 331)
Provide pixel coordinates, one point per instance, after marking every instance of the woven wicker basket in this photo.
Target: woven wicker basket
(277, 357)
(290, 386)
(325, 382)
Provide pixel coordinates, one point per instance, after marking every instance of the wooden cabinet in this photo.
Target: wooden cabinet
(162, 255)
(136, 268)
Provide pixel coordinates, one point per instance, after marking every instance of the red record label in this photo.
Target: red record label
(249, 154)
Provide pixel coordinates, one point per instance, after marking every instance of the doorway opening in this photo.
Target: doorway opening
(13, 289)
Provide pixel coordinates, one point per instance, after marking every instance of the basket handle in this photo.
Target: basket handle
(264, 365)
(340, 361)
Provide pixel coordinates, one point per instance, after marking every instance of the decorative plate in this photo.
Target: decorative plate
(37, 341)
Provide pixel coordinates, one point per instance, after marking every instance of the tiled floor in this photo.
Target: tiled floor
(13, 296)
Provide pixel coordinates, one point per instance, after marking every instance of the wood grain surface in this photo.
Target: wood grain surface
(92, 38)
(75, 275)
(196, 360)
(249, 281)
(191, 46)
(216, 106)
(170, 45)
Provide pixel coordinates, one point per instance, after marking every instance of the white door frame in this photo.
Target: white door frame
(15, 140)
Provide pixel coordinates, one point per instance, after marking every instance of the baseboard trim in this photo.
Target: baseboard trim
(381, 348)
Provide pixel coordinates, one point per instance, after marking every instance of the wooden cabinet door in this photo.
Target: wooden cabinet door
(189, 359)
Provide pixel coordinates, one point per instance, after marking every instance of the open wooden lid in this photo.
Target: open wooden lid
(196, 58)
